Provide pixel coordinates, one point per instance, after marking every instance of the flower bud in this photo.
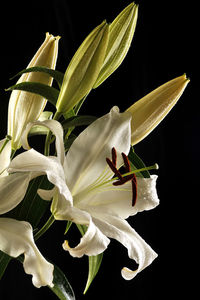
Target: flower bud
(25, 107)
(149, 111)
(83, 69)
(120, 37)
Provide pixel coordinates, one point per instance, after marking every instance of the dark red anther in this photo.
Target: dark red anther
(114, 157)
(122, 180)
(126, 162)
(113, 168)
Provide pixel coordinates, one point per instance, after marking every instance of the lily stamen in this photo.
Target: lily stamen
(123, 179)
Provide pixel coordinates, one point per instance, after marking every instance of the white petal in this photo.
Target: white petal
(46, 194)
(93, 242)
(86, 159)
(12, 190)
(147, 197)
(33, 161)
(4, 156)
(16, 238)
(117, 200)
(138, 249)
(57, 130)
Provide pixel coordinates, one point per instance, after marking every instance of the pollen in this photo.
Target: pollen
(123, 179)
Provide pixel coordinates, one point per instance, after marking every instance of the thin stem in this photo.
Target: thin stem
(46, 226)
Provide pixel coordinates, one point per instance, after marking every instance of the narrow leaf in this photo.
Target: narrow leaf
(57, 75)
(4, 261)
(78, 121)
(50, 93)
(62, 287)
(94, 265)
(137, 163)
(32, 208)
(94, 261)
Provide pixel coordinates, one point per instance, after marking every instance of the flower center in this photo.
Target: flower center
(123, 179)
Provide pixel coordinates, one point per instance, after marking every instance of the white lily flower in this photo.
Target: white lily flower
(16, 238)
(84, 192)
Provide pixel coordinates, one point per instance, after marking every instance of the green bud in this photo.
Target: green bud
(121, 34)
(83, 69)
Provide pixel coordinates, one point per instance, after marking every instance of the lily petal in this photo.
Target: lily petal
(12, 190)
(16, 238)
(34, 162)
(56, 129)
(138, 249)
(86, 159)
(46, 194)
(92, 243)
(117, 200)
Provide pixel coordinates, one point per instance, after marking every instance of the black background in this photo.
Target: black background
(163, 48)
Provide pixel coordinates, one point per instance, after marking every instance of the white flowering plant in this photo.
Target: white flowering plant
(93, 180)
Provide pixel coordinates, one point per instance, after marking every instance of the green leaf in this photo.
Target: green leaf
(4, 261)
(137, 163)
(32, 208)
(78, 121)
(58, 76)
(69, 142)
(62, 287)
(94, 261)
(94, 265)
(48, 92)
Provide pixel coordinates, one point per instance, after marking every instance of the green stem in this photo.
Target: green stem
(46, 226)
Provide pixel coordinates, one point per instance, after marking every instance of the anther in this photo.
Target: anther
(126, 162)
(114, 157)
(123, 179)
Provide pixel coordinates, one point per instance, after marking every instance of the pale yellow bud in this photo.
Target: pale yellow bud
(83, 69)
(149, 111)
(25, 107)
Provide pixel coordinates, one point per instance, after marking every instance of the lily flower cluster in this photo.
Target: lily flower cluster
(94, 180)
